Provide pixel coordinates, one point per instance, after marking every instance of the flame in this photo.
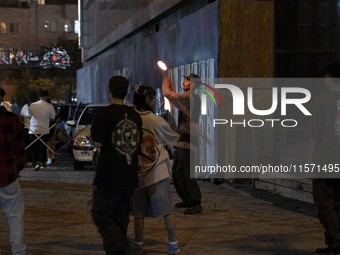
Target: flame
(167, 105)
(162, 65)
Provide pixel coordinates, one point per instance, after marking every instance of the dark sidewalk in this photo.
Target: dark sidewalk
(235, 220)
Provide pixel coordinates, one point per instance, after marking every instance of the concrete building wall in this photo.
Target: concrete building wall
(125, 17)
(54, 13)
(17, 40)
(31, 21)
(165, 39)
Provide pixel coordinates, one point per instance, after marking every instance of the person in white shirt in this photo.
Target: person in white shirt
(26, 119)
(41, 113)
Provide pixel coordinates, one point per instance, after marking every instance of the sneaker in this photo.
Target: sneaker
(50, 161)
(182, 205)
(323, 251)
(37, 166)
(195, 209)
(173, 248)
(138, 243)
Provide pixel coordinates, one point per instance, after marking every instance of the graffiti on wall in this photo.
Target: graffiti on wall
(19, 57)
(205, 69)
(56, 58)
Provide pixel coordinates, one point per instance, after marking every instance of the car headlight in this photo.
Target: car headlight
(82, 141)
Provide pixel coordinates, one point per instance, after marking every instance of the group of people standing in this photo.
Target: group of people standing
(134, 164)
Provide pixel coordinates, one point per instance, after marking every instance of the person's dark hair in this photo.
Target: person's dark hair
(43, 93)
(142, 96)
(32, 97)
(333, 70)
(118, 86)
(195, 79)
(2, 93)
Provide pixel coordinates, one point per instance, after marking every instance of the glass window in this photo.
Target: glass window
(14, 28)
(88, 115)
(68, 26)
(50, 25)
(3, 27)
(76, 26)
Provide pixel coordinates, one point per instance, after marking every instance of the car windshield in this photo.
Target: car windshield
(88, 114)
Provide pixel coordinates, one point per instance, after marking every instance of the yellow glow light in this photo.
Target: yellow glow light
(167, 105)
(162, 65)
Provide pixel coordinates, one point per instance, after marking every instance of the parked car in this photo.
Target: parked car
(83, 150)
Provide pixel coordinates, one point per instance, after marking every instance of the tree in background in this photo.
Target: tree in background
(26, 83)
(56, 93)
(24, 77)
(56, 80)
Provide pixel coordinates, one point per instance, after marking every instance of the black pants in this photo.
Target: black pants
(187, 188)
(326, 197)
(39, 149)
(110, 213)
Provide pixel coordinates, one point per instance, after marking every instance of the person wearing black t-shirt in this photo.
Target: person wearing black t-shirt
(324, 149)
(116, 131)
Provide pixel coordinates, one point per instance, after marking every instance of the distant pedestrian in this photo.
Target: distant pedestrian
(116, 131)
(2, 102)
(324, 149)
(12, 161)
(41, 113)
(188, 104)
(26, 117)
(153, 196)
(16, 106)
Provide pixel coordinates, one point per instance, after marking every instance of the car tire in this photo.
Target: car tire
(77, 165)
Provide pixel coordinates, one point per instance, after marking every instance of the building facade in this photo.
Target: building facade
(25, 27)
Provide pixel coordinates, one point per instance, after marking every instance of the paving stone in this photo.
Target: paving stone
(234, 221)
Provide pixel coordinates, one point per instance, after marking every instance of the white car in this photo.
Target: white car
(83, 150)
